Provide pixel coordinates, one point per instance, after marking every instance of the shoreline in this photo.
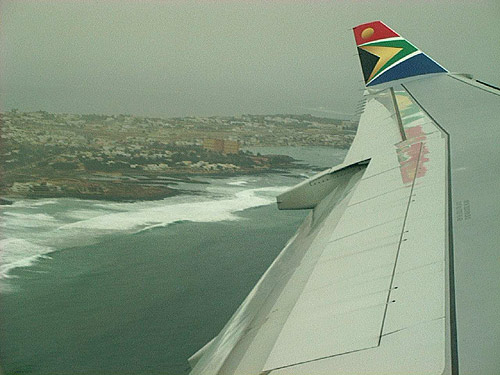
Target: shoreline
(126, 188)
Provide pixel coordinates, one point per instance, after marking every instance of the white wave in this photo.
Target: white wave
(26, 203)
(27, 220)
(238, 183)
(17, 252)
(85, 214)
(166, 213)
(33, 235)
(39, 217)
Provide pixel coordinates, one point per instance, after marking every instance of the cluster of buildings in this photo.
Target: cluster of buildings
(112, 131)
(223, 146)
(40, 149)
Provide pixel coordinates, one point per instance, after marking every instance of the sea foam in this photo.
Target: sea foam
(17, 252)
(141, 215)
(31, 233)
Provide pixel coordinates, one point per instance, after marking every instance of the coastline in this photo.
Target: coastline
(129, 158)
(141, 270)
(128, 188)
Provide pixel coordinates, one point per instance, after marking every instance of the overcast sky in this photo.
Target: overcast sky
(178, 58)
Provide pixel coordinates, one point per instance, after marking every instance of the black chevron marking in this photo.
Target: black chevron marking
(368, 62)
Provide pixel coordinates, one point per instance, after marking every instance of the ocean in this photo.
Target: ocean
(93, 287)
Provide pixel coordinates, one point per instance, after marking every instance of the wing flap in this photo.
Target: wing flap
(333, 315)
(390, 358)
(382, 274)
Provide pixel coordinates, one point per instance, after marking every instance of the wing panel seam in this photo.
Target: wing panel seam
(399, 244)
(398, 115)
(321, 358)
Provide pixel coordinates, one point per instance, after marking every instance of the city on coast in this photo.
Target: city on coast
(126, 157)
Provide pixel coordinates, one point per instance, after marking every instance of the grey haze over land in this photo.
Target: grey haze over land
(181, 58)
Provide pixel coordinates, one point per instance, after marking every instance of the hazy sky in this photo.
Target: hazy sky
(177, 58)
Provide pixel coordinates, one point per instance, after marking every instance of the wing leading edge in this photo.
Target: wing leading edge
(368, 284)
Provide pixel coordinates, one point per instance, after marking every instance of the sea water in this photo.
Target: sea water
(94, 287)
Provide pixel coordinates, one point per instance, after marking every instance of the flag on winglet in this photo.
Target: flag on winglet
(385, 56)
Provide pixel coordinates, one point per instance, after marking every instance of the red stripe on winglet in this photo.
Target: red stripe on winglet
(380, 31)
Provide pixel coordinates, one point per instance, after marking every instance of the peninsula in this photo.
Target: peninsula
(126, 157)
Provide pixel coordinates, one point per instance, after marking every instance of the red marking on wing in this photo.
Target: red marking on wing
(411, 152)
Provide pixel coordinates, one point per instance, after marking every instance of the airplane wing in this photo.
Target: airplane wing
(396, 269)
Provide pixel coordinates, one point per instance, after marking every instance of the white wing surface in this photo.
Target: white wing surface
(368, 285)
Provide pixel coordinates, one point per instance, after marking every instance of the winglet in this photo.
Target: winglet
(385, 56)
